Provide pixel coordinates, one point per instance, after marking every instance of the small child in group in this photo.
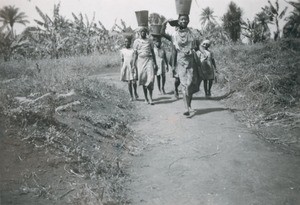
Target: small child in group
(162, 64)
(128, 71)
(207, 67)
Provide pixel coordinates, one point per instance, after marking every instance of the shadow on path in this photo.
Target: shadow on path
(226, 95)
(205, 111)
(165, 100)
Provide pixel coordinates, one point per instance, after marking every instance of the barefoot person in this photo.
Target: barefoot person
(128, 72)
(208, 66)
(174, 73)
(145, 62)
(185, 59)
(162, 64)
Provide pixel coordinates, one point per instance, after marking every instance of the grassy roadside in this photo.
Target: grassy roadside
(68, 132)
(65, 134)
(266, 81)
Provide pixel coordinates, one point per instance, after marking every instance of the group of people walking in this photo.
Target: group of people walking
(190, 61)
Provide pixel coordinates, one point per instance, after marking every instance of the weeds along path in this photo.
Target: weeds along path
(208, 158)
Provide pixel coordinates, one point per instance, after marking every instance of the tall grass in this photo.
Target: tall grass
(266, 81)
(25, 77)
(92, 133)
(264, 76)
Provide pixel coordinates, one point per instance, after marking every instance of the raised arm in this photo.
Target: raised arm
(163, 30)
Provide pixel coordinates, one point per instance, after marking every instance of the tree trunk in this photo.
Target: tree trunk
(277, 33)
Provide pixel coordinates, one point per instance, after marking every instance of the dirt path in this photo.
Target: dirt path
(208, 158)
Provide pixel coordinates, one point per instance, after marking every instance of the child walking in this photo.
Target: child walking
(128, 71)
(145, 62)
(208, 66)
(162, 64)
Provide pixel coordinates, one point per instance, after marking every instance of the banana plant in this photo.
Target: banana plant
(292, 27)
(54, 33)
(275, 15)
(255, 31)
(57, 36)
(10, 43)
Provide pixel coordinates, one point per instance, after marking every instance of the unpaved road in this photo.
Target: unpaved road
(207, 159)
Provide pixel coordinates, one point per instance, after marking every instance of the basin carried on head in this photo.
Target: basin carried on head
(183, 7)
(142, 17)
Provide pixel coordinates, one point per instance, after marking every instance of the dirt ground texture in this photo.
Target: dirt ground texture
(208, 158)
(74, 157)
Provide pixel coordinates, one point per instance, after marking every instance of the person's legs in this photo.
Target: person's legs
(130, 89)
(135, 89)
(150, 96)
(189, 102)
(205, 87)
(210, 83)
(158, 83)
(185, 102)
(163, 77)
(145, 94)
(176, 85)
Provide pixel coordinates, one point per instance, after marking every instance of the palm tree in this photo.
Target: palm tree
(232, 20)
(207, 17)
(263, 20)
(9, 15)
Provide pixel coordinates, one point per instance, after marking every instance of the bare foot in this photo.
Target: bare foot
(187, 113)
(175, 97)
(151, 102)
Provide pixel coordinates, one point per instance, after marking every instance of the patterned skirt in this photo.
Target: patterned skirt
(145, 66)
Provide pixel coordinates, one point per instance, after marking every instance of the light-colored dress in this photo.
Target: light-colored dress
(207, 69)
(186, 65)
(127, 71)
(144, 63)
(160, 53)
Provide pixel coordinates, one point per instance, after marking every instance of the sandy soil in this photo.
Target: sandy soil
(207, 158)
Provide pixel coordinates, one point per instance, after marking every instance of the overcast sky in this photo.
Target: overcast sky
(107, 11)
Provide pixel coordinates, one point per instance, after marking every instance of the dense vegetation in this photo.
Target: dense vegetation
(56, 36)
(60, 109)
(50, 101)
(266, 81)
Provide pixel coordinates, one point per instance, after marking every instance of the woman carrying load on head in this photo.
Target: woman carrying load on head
(185, 59)
(145, 62)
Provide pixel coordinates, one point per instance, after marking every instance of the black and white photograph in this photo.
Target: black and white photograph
(149, 102)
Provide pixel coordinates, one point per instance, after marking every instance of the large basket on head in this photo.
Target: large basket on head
(183, 7)
(142, 17)
(156, 29)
